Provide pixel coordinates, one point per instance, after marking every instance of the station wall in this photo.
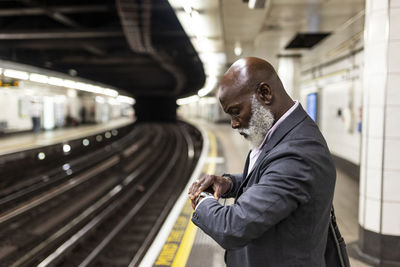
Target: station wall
(58, 107)
(338, 85)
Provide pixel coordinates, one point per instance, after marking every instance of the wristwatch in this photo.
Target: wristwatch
(202, 194)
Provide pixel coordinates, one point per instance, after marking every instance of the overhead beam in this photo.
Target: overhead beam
(62, 34)
(57, 44)
(105, 61)
(32, 11)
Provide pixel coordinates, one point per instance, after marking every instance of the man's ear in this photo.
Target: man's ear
(264, 93)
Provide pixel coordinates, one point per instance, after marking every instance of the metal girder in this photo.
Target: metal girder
(76, 60)
(136, 24)
(32, 11)
(62, 34)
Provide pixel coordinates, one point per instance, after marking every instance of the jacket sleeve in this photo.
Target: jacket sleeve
(282, 187)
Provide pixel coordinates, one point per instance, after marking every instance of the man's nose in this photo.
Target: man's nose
(235, 124)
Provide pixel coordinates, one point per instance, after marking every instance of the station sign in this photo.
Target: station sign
(9, 83)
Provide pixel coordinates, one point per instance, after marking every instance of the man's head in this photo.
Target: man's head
(253, 95)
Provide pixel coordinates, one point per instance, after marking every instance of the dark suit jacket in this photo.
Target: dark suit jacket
(281, 211)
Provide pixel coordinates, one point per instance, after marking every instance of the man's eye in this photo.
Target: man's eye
(235, 112)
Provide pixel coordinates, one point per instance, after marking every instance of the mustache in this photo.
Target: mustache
(244, 132)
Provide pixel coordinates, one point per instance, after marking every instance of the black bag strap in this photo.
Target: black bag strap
(339, 240)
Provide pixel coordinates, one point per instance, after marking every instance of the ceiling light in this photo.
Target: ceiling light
(71, 93)
(56, 81)
(85, 142)
(69, 84)
(238, 49)
(110, 92)
(211, 82)
(187, 100)
(99, 99)
(258, 4)
(186, 6)
(34, 77)
(16, 74)
(66, 148)
(126, 99)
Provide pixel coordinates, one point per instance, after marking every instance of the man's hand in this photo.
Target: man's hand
(220, 185)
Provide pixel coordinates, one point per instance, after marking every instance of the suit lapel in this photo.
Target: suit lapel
(297, 116)
(246, 169)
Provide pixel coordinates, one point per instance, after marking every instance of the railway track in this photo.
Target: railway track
(107, 214)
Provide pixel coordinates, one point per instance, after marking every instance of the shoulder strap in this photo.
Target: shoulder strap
(339, 241)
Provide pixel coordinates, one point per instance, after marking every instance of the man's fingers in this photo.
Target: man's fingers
(196, 188)
(217, 192)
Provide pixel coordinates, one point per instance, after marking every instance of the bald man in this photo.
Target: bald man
(283, 198)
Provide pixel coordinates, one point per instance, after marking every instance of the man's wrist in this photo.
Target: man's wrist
(202, 195)
(228, 177)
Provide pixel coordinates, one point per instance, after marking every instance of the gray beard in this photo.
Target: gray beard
(261, 121)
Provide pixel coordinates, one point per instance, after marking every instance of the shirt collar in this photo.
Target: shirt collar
(281, 119)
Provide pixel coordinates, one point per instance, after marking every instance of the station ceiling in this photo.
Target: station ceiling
(135, 45)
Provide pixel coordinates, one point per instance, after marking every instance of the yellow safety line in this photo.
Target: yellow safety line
(185, 247)
(188, 238)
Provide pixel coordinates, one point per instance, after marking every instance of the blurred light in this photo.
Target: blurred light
(208, 100)
(66, 166)
(60, 98)
(210, 84)
(1, 70)
(238, 49)
(126, 99)
(69, 172)
(113, 101)
(72, 93)
(34, 77)
(110, 92)
(186, 6)
(99, 99)
(99, 138)
(96, 89)
(81, 86)
(213, 61)
(114, 132)
(29, 92)
(187, 100)
(16, 74)
(259, 4)
(41, 156)
(69, 83)
(55, 81)
(107, 135)
(89, 88)
(85, 142)
(66, 148)
(72, 72)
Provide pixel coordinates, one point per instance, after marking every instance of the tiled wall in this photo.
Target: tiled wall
(380, 165)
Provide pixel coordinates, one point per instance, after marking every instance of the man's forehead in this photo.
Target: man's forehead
(229, 98)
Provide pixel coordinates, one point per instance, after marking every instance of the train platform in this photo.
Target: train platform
(24, 141)
(181, 243)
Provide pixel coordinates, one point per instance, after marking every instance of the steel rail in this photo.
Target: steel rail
(61, 234)
(150, 236)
